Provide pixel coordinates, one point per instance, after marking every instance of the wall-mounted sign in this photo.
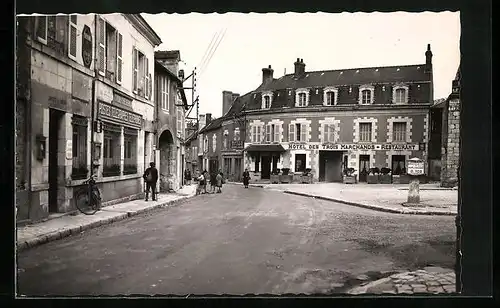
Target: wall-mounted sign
(415, 166)
(111, 112)
(354, 146)
(87, 46)
(237, 144)
(69, 149)
(121, 99)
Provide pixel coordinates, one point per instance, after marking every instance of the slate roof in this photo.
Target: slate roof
(355, 76)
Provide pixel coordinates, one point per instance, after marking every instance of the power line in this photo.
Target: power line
(206, 50)
(210, 49)
(202, 69)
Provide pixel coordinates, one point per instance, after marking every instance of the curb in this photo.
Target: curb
(60, 234)
(371, 207)
(363, 289)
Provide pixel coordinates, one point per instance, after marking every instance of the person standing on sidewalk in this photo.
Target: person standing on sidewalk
(206, 178)
(219, 182)
(151, 177)
(187, 177)
(246, 178)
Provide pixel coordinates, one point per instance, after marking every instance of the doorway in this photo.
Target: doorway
(55, 169)
(398, 164)
(330, 166)
(266, 167)
(213, 166)
(364, 167)
(237, 169)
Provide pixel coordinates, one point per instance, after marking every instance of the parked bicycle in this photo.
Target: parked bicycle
(88, 199)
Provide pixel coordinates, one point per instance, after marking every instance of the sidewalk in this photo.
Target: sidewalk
(382, 197)
(433, 280)
(36, 234)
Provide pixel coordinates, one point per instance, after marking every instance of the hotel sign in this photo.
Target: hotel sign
(354, 146)
(123, 116)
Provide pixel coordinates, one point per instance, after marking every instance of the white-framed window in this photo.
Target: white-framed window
(214, 142)
(180, 115)
(330, 96)
(301, 97)
(110, 51)
(41, 26)
(267, 98)
(400, 94)
(272, 133)
(297, 132)
(366, 95)
(72, 36)
(164, 93)
(399, 131)
(329, 133)
(257, 133)
(141, 79)
(205, 145)
(365, 132)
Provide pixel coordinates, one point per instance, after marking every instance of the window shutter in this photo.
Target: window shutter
(101, 53)
(119, 58)
(291, 132)
(72, 36)
(254, 134)
(325, 133)
(41, 28)
(150, 86)
(268, 133)
(276, 133)
(146, 78)
(134, 68)
(303, 132)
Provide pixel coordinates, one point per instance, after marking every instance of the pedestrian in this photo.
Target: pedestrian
(219, 182)
(206, 179)
(246, 177)
(151, 177)
(201, 183)
(187, 177)
(213, 181)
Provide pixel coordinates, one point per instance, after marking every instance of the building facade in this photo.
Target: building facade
(327, 121)
(84, 99)
(170, 124)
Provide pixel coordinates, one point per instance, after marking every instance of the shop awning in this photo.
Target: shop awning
(265, 148)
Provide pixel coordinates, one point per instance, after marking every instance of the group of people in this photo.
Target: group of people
(215, 179)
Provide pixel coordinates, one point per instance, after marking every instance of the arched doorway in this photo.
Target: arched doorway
(167, 161)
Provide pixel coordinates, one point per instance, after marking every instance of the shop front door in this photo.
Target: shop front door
(266, 167)
(333, 167)
(364, 167)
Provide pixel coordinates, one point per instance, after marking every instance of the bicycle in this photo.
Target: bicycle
(88, 199)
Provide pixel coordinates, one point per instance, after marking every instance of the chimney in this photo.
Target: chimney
(208, 118)
(227, 101)
(300, 68)
(267, 74)
(428, 59)
(203, 121)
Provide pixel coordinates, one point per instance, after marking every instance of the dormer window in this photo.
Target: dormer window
(366, 95)
(400, 94)
(267, 98)
(330, 96)
(301, 98)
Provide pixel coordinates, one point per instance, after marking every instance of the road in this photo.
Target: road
(243, 241)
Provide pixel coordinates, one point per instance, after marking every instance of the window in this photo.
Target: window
(80, 168)
(41, 29)
(180, 122)
(272, 133)
(302, 101)
(110, 51)
(236, 136)
(297, 132)
(300, 162)
(201, 144)
(256, 134)
(164, 93)
(365, 132)
(205, 145)
(224, 142)
(72, 37)
(330, 98)
(400, 96)
(267, 101)
(399, 131)
(214, 142)
(275, 131)
(328, 133)
(111, 150)
(141, 77)
(130, 151)
(398, 164)
(366, 96)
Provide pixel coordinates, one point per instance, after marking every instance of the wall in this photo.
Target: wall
(451, 149)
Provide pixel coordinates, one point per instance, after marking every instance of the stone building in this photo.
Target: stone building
(82, 74)
(170, 124)
(446, 114)
(327, 121)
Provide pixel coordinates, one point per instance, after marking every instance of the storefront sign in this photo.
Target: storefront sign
(122, 100)
(58, 103)
(236, 144)
(354, 146)
(415, 166)
(87, 46)
(119, 114)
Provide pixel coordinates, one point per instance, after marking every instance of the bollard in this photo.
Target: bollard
(414, 191)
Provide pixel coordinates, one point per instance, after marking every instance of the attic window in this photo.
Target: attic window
(357, 71)
(307, 75)
(322, 74)
(376, 70)
(383, 88)
(289, 92)
(341, 73)
(418, 67)
(350, 90)
(317, 91)
(267, 98)
(397, 69)
(418, 86)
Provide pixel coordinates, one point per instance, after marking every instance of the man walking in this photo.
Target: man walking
(151, 177)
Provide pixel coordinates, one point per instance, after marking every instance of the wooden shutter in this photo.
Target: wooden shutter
(259, 133)
(146, 77)
(276, 133)
(254, 134)
(134, 69)
(72, 36)
(291, 132)
(41, 28)
(325, 133)
(303, 132)
(119, 57)
(268, 133)
(101, 52)
(150, 87)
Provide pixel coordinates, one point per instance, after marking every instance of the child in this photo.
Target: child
(219, 182)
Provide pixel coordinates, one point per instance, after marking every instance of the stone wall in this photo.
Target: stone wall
(451, 147)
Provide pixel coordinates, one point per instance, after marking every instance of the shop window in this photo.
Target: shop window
(130, 151)
(398, 164)
(80, 167)
(300, 162)
(365, 132)
(111, 150)
(399, 132)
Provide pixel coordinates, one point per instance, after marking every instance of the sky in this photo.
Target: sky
(250, 42)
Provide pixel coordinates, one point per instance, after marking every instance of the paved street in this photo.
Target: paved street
(241, 241)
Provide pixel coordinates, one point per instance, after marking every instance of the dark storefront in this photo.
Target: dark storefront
(267, 156)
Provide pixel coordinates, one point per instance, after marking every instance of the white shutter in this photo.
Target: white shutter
(101, 53)
(259, 133)
(254, 134)
(150, 86)
(276, 133)
(291, 132)
(268, 133)
(119, 57)
(72, 37)
(325, 133)
(303, 132)
(134, 69)
(146, 77)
